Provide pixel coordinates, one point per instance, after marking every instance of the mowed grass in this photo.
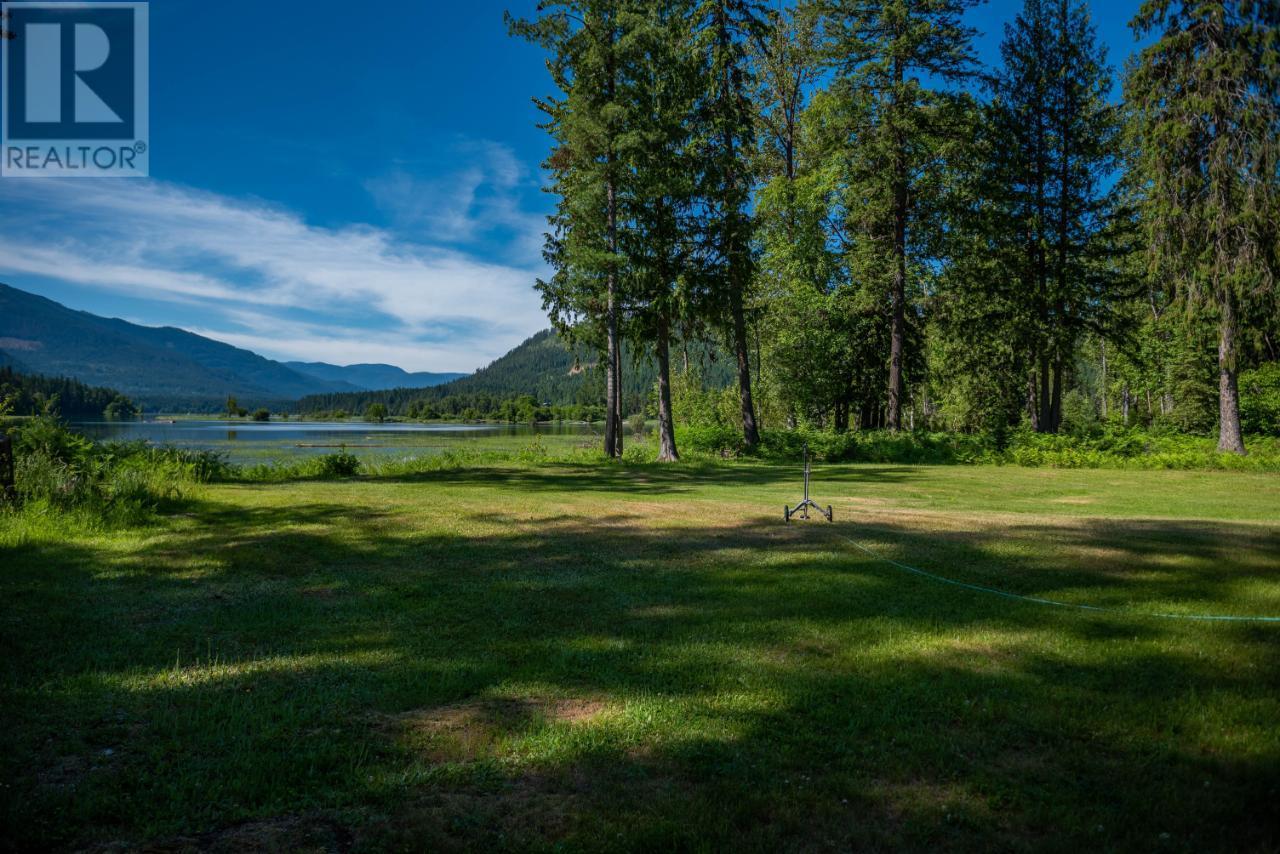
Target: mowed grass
(630, 658)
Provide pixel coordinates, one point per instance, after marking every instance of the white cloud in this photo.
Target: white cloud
(479, 200)
(326, 347)
(289, 340)
(245, 259)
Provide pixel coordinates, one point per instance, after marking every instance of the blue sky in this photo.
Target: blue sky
(345, 182)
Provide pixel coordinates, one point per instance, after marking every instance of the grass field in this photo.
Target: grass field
(605, 657)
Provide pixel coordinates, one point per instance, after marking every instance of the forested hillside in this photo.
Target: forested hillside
(543, 368)
(25, 394)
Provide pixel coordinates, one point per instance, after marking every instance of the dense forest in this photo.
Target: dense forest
(879, 232)
(31, 394)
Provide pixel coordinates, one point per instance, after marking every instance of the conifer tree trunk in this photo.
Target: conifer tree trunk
(898, 322)
(666, 427)
(899, 296)
(1045, 422)
(1033, 412)
(8, 492)
(1055, 409)
(1103, 347)
(611, 443)
(613, 383)
(750, 432)
(1230, 437)
(617, 397)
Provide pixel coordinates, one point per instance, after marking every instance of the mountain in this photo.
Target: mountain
(545, 367)
(542, 366)
(7, 361)
(157, 366)
(371, 376)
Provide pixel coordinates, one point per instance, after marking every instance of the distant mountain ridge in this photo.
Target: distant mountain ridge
(159, 367)
(372, 376)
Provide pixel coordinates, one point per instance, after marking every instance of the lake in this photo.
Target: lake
(254, 442)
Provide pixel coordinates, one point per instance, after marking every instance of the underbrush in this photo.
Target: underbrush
(1123, 449)
(61, 475)
(1113, 448)
(1139, 450)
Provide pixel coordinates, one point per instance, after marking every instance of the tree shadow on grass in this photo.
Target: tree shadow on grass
(626, 681)
(646, 478)
(1218, 568)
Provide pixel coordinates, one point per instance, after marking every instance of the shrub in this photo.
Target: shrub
(261, 415)
(534, 452)
(1260, 399)
(638, 453)
(198, 466)
(49, 438)
(341, 464)
(710, 439)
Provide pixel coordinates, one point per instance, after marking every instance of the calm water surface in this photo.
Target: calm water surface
(249, 441)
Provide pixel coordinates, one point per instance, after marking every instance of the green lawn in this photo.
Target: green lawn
(590, 657)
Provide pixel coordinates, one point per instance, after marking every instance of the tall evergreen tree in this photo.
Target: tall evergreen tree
(585, 40)
(890, 57)
(787, 61)
(796, 272)
(659, 241)
(1044, 195)
(723, 31)
(1205, 102)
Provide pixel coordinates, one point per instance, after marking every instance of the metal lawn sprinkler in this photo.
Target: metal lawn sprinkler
(802, 509)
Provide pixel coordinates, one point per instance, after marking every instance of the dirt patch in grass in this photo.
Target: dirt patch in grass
(464, 732)
(573, 711)
(806, 650)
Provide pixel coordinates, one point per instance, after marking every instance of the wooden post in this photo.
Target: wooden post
(8, 492)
